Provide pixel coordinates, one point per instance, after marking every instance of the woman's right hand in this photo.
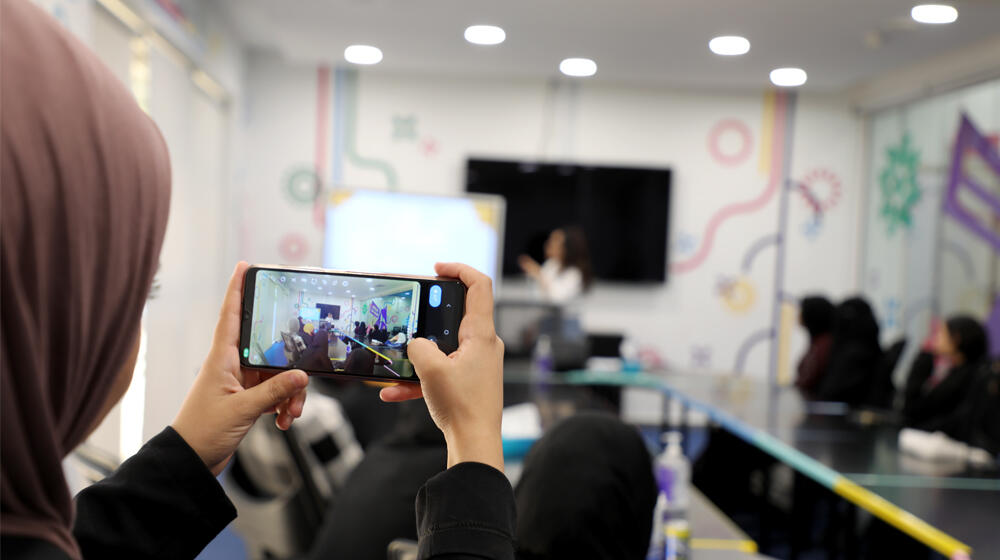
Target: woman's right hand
(529, 265)
(464, 390)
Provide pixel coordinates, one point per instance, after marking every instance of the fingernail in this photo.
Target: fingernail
(299, 378)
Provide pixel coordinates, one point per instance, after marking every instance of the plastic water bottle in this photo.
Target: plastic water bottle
(543, 361)
(629, 351)
(678, 540)
(673, 476)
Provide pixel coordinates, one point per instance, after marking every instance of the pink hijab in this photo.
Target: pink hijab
(85, 184)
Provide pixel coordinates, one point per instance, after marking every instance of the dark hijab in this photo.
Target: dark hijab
(969, 338)
(85, 183)
(817, 315)
(587, 491)
(855, 324)
(854, 355)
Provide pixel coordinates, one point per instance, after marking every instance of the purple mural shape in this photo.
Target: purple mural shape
(970, 139)
(993, 328)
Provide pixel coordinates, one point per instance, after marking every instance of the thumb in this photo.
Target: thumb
(427, 358)
(264, 396)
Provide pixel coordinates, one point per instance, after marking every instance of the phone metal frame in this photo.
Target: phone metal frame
(246, 314)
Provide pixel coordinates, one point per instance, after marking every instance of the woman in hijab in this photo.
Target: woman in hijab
(85, 184)
(941, 377)
(84, 178)
(587, 491)
(855, 354)
(816, 316)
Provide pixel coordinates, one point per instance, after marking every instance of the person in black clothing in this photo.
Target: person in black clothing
(816, 316)
(317, 354)
(976, 420)
(941, 378)
(383, 487)
(77, 147)
(855, 354)
(587, 491)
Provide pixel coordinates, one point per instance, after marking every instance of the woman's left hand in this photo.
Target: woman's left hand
(225, 401)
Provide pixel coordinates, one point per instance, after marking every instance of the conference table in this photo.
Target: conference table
(950, 508)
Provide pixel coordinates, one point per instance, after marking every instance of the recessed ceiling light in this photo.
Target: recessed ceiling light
(485, 34)
(579, 67)
(934, 13)
(362, 54)
(371, 289)
(729, 45)
(788, 77)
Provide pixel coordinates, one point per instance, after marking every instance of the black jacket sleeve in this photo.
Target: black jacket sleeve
(926, 409)
(849, 376)
(920, 372)
(466, 512)
(161, 503)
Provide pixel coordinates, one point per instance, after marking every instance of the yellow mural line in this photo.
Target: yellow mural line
(767, 133)
(789, 317)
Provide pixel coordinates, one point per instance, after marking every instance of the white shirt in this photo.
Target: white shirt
(560, 286)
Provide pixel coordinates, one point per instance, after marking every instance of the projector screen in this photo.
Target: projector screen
(406, 233)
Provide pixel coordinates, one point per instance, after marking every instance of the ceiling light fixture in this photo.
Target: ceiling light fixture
(363, 54)
(788, 77)
(729, 45)
(934, 13)
(578, 67)
(485, 35)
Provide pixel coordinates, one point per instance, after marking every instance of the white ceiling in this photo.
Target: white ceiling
(633, 41)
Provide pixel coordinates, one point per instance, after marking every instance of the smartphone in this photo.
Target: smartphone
(344, 324)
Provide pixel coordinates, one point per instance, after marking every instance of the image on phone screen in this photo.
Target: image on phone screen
(332, 323)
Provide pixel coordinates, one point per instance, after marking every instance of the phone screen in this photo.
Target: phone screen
(346, 324)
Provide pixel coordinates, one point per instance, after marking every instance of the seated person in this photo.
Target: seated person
(360, 360)
(383, 487)
(316, 356)
(587, 491)
(398, 340)
(976, 420)
(294, 343)
(816, 316)
(855, 354)
(942, 375)
(305, 333)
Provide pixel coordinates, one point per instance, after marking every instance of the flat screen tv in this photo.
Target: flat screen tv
(623, 212)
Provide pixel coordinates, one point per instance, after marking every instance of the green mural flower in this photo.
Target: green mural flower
(898, 184)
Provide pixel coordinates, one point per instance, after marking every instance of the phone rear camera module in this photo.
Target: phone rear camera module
(434, 298)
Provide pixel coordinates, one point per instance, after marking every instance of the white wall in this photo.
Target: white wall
(686, 320)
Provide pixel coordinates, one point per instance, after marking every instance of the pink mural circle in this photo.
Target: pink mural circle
(293, 248)
(831, 184)
(726, 127)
